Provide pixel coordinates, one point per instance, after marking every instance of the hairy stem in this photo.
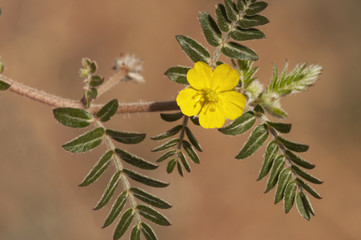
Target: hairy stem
(56, 101)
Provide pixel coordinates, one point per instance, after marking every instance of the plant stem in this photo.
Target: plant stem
(57, 102)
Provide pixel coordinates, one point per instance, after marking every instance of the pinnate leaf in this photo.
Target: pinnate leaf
(149, 198)
(178, 74)
(277, 167)
(166, 155)
(135, 160)
(254, 142)
(240, 125)
(164, 146)
(98, 169)
(293, 146)
(144, 179)
(210, 29)
(86, 141)
(116, 209)
(222, 19)
(167, 134)
(3, 85)
(290, 193)
(231, 10)
(123, 224)
(153, 215)
(192, 139)
(135, 234)
(109, 191)
(269, 156)
(284, 178)
(252, 21)
(238, 51)
(195, 51)
(171, 165)
(306, 175)
(171, 117)
(280, 127)
(190, 152)
(73, 117)
(108, 111)
(299, 161)
(148, 232)
(308, 188)
(184, 161)
(255, 8)
(240, 34)
(126, 137)
(302, 209)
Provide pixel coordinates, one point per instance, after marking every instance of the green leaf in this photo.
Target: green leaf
(97, 169)
(254, 142)
(276, 111)
(231, 10)
(293, 146)
(190, 152)
(289, 198)
(307, 204)
(306, 175)
(192, 139)
(171, 117)
(284, 178)
(166, 155)
(171, 165)
(178, 74)
(255, 8)
(116, 209)
(252, 21)
(149, 198)
(169, 144)
(235, 50)
(86, 141)
(302, 209)
(240, 34)
(2, 67)
(96, 81)
(281, 127)
(195, 120)
(135, 160)
(144, 179)
(73, 117)
(277, 167)
(269, 156)
(148, 232)
(308, 188)
(108, 111)
(109, 191)
(193, 49)
(126, 137)
(180, 169)
(168, 133)
(210, 29)
(153, 215)
(123, 224)
(240, 125)
(184, 161)
(135, 234)
(241, 4)
(3, 85)
(222, 19)
(299, 161)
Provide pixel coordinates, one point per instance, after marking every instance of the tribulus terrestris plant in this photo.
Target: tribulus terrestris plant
(213, 91)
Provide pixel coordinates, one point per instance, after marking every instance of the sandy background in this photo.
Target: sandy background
(42, 43)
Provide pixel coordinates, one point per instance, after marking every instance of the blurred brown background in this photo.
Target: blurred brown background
(42, 43)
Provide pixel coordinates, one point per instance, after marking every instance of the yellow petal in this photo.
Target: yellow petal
(189, 101)
(211, 117)
(225, 78)
(231, 104)
(200, 75)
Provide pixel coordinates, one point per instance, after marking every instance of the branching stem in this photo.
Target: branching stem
(56, 101)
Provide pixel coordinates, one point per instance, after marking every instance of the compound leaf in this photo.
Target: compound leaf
(109, 191)
(164, 146)
(178, 74)
(278, 165)
(149, 198)
(252, 21)
(148, 232)
(269, 156)
(240, 125)
(293, 146)
(222, 19)
(280, 127)
(73, 117)
(116, 209)
(254, 142)
(308, 188)
(171, 117)
(289, 194)
(302, 209)
(144, 179)
(238, 51)
(298, 160)
(86, 141)
(123, 224)
(153, 215)
(190, 152)
(98, 169)
(126, 137)
(284, 178)
(306, 175)
(166, 155)
(108, 111)
(135, 234)
(193, 49)
(167, 134)
(135, 160)
(255, 8)
(240, 34)
(192, 139)
(210, 29)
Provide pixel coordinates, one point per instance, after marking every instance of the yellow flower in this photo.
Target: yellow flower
(211, 95)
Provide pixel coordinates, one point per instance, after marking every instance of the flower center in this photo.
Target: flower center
(210, 96)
